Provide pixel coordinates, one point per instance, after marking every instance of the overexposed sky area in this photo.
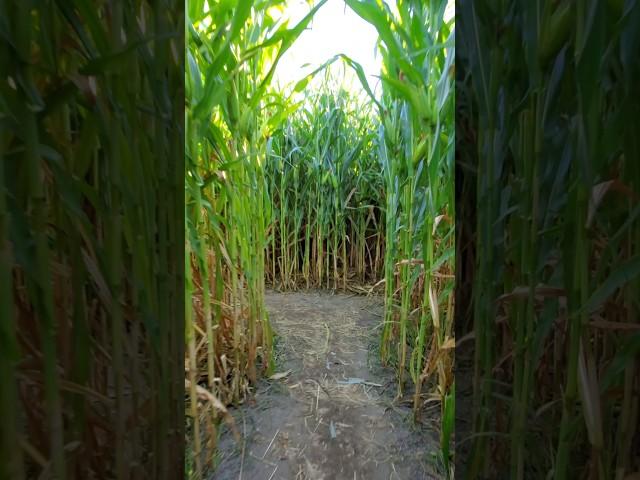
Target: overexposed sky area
(334, 29)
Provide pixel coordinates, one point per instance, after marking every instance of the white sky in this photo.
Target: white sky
(334, 29)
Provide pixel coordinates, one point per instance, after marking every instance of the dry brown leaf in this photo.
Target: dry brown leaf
(448, 343)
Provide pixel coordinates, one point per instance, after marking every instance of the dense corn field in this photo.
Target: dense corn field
(89, 351)
(326, 186)
(333, 191)
(555, 310)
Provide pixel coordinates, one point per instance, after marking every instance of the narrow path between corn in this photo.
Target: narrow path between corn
(331, 416)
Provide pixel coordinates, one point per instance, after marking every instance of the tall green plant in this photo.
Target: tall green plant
(416, 152)
(325, 185)
(232, 51)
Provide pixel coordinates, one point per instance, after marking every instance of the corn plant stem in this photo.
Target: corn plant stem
(576, 319)
(11, 462)
(43, 300)
(193, 365)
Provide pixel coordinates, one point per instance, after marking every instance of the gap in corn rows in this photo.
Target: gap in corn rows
(334, 192)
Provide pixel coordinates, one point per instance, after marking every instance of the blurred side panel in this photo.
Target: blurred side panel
(91, 239)
(548, 191)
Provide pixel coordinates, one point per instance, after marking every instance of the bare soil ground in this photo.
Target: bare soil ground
(332, 416)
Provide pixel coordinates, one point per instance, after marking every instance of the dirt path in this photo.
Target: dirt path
(331, 417)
